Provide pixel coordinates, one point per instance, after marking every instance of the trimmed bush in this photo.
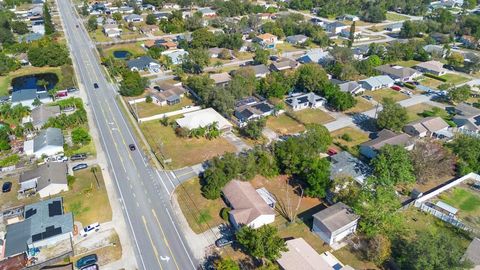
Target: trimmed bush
(435, 77)
(409, 85)
(224, 213)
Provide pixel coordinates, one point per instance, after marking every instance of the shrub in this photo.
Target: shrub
(181, 132)
(435, 77)
(224, 213)
(148, 99)
(70, 180)
(346, 137)
(409, 85)
(9, 161)
(164, 121)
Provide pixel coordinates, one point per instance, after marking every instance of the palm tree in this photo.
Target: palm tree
(43, 83)
(52, 93)
(36, 102)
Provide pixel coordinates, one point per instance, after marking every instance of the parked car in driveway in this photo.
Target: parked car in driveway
(81, 156)
(6, 187)
(94, 227)
(396, 88)
(80, 166)
(87, 261)
(223, 241)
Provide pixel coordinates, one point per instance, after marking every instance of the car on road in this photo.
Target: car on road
(87, 261)
(80, 166)
(396, 88)
(6, 187)
(77, 25)
(368, 97)
(80, 156)
(132, 147)
(94, 227)
(223, 241)
(95, 85)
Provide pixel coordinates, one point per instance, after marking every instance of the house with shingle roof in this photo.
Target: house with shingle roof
(251, 108)
(144, 63)
(432, 67)
(40, 115)
(248, 207)
(344, 164)
(467, 118)
(377, 82)
(336, 27)
(296, 39)
(427, 127)
(267, 40)
(133, 18)
(48, 179)
(26, 97)
(284, 64)
(316, 56)
(167, 94)
(334, 223)
(221, 79)
(399, 73)
(351, 87)
(47, 142)
(370, 148)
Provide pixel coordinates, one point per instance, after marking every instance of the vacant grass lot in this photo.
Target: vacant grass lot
(356, 136)
(409, 63)
(87, 198)
(392, 16)
(362, 106)
(284, 124)
(99, 36)
(182, 151)
(468, 203)
(150, 109)
(200, 212)
(378, 95)
(6, 80)
(414, 111)
(313, 116)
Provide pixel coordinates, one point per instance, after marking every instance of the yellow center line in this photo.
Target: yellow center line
(165, 238)
(151, 242)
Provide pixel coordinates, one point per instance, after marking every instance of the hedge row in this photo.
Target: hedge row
(435, 77)
(409, 85)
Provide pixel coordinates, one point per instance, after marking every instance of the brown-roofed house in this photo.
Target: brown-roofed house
(284, 64)
(167, 94)
(399, 73)
(384, 137)
(426, 127)
(221, 79)
(149, 29)
(335, 223)
(248, 207)
(301, 255)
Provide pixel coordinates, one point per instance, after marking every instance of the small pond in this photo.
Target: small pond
(30, 81)
(121, 54)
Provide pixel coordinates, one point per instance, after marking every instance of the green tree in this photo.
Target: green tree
(196, 61)
(4, 139)
(253, 129)
(316, 173)
(467, 149)
(117, 16)
(455, 59)
(351, 38)
(36, 102)
(84, 11)
(47, 19)
(261, 57)
(226, 264)
(459, 94)
(263, 243)
(43, 83)
(7, 64)
(132, 84)
(393, 166)
(80, 136)
(276, 84)
(311, 77)
(202, 38)
(52, 93)
(393, 116)
(19, 27)
(48, 54)
(92, 23)
(151, 19)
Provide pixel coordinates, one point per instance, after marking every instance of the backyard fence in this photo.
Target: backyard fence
(427, 207)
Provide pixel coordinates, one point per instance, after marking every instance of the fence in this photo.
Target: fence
(425, 207)
(168, 114)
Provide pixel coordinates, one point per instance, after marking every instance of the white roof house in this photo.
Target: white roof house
(48, 142)
(301, 255)
(377, 82)
(203, 118)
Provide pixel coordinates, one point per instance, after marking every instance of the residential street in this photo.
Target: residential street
(143, 196)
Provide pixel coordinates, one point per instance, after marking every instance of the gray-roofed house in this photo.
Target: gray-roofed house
(467, 118)
(335, 223)
(248, 111)
(40, 115)
(377, 82)
(473, 253)
(305, 100)
(296, 39)
(144, 63)
(221, 79)
(133, 18)
(316, 56)
(284, 64)
(47, 142)
(432, 67)
(427, 127)
(47, 179)
(399, 73)
(260, 71)
(45, 224)
(336, 27)
(167, 94)
(369, 149)
(248, 207)
(344, 164)
(351, 87)
(26, 97)
(111, 30)
(162, 15)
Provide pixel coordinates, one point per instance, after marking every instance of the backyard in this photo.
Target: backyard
(467, 201)
(349, 136)
(182, 151)
(201, 214)
(313, 116)
(148, 109)
(380, 94)
(87, 197)
(284, 124)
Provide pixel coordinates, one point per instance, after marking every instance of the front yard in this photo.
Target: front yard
(182, 151)
(284, 124)
(362, 106)
(451, 78)
(313, 116)
(201, 213)
(87, 197)
(149, 109)
(414, 111)
(349, 136)
(380, 94)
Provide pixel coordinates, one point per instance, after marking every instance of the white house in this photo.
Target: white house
(144, 63)
(26, 97)
(46, 180)
(335, 223)
(426, 127)
(48, 142)
(248, 207)
(336, 27)
(203, 118)
(377, 82)
(111, 30)
(133, 18)
(305, 100)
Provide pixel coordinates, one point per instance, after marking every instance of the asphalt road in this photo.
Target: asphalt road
(143, 193)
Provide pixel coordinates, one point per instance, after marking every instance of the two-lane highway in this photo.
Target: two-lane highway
(143, 195)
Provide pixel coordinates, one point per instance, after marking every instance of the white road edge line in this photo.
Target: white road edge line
(179, 237)
(165, 186)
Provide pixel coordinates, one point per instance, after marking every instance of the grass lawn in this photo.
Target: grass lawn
(86, 200)
(6, 80)
(200, 212)
(149, 109)
(243, 55)
(99, 36)
(362, 106)
(107, 254)
(409, 63)
(313, 116)
(451, 78)
(182, 151)
(392, 16)
(284, 124)
(88, 148)
(357, 136)
(467, 201)
(378, 95)
(132, 48)
(413, 111)
(285, 47)
(348, 257)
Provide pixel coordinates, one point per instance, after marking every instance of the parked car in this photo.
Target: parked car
(367, 97)
(91, 267)
(132, 147)
(6, 187)
(399, 83)
(87, 261)
(331, 152)
(89, 229)
(95, 85)
(396, 88)
(58, 158)
(72, 89)
(81, 156)
(223, 241)
(80, 166)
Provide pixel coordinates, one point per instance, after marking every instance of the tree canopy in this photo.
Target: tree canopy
(393, 166)
(263, 243)
(393, 116)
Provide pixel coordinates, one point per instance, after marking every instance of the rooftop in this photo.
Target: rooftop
(385, 137)
(48, 137)
(344, 163)
(336, 216)
(397, 71)
(46, 174)
(203, 118)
